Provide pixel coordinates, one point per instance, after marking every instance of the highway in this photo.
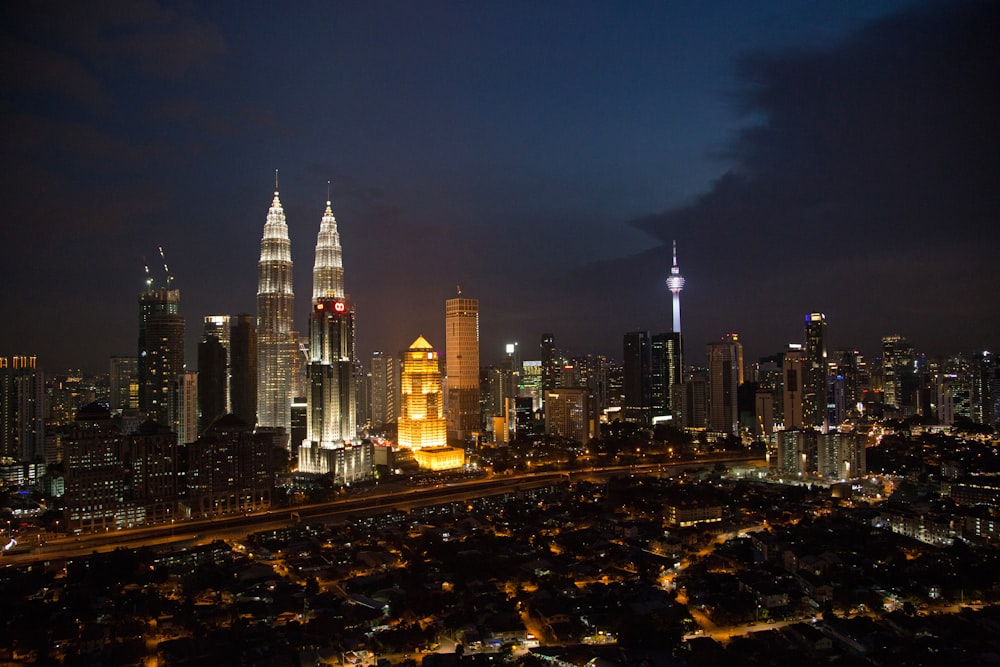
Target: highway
(368, 501)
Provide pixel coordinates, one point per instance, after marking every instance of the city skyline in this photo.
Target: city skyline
(804, 158)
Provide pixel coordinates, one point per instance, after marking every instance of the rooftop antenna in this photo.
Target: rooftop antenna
(328, 192)
(165, 269)
(459, 289)
(276, 181)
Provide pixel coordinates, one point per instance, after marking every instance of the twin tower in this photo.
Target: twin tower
(331, 420)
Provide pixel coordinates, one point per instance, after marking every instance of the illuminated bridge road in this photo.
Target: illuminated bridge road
(337, 511)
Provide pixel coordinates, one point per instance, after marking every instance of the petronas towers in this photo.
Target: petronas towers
(331, 417)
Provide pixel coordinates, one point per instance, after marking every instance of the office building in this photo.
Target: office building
(123, 383)
(22, 409)
(243, 368)
(899, 375)
(276, 337)
(421, 414)
(725, 363)
(550, 363)
(161, 348)
(230, 470)
(182, 409)
(637, 406)
(384, 390)
(793, 373)
(213, 374)
(814, 385)
(665, 374)
(571, 412)
(462, 363)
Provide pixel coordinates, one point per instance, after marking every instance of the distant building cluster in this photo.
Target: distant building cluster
(332, 414)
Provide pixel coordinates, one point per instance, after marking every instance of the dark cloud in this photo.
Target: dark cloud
(867, 169)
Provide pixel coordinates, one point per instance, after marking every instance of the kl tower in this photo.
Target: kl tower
(675, 283)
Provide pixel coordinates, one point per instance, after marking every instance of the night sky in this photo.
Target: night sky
(838, 156)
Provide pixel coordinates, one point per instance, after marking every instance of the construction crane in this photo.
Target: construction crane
(165, 269)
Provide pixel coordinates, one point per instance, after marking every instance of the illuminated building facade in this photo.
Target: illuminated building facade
(22, 409)
(571, 412)
(421, 416)
(161, 349)
(275, 332)
(331, 422)
(182, 413)
(123, 383)
(384, 390)
(462, 345)
(665, 372)
(725, 362)
(793, 366)
(898, 374)
(230, 469)
(814, 398)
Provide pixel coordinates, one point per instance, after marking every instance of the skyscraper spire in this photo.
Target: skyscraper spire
(675, 283)
(328, 269)
(275, 332)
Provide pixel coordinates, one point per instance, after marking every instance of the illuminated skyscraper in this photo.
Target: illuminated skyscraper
(814, 399)
(421, 415)
(332, 418)
(22, 409)
(462, 345)
(898, 374)
(725, 362)
(161, 348)
(384, 390)
(275, 333)
(665, 372)
(793, 372)
(123, 383)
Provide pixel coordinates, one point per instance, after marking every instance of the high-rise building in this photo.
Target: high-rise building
(276, 337)
(243, 368)
(220, 327)
(814, 396)
(384, 390)
(161, 348)
(213, 374)
(793, 373)
(123, 383)
(550, 363)
(898, 374)
(724, 378)
(665, 372)
(332, 411)
(421, 414)
(22, 409)
(182, 412)
(638, 393)
(571, 412)
(462, 363)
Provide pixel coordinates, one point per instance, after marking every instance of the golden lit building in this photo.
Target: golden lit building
(421, 411)
(439, 458)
